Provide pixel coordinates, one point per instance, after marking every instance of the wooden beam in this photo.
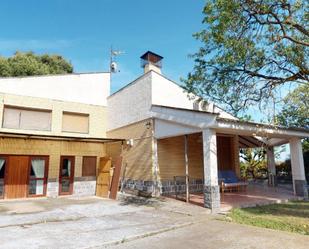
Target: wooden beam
(187, 169)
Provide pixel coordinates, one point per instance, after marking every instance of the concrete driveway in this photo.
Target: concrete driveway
(129, 223)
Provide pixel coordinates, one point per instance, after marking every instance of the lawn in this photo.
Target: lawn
(291, 216)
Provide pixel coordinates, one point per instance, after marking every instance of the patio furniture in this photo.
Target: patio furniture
(229, 181)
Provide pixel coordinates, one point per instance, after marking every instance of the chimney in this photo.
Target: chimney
(151, 61)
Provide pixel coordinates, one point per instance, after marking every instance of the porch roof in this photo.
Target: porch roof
(177, 121)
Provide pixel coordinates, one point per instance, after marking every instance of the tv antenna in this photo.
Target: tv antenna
(113, 67)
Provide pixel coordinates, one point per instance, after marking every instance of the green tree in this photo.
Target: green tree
(295, 111)
(249, 49)
(253, 163)
(27, 64)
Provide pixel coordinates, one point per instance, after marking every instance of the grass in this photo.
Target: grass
(291, 216)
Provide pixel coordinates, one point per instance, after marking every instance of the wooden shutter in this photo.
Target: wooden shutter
(26, 119)
(75, 122)
(89, 166)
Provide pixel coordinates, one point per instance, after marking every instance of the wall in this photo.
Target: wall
(137, 163)
(88, 88)
(175, 96)
(82, 186)
(171, 156)
(97, 114)
(225, 153)
(130, 104)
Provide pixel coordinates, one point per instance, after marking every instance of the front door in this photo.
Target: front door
(16, 179)
(66, 175)
(103, 178)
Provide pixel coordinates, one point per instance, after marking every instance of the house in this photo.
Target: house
(62, 125)
(171, 133)
(53, 132)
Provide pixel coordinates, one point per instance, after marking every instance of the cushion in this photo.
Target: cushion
(227, 176)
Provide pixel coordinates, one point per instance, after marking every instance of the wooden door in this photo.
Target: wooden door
(66, 175)
(16, 177)
(115, 180)
(103, 178)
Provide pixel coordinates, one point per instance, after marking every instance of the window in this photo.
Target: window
(89, 166)
(38, 176)
(2, 174)
(26, 119)
(66, 175)
(75, 122)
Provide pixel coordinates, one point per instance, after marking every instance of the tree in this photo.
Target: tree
(253, 163)
(249, 49)
(295, 111)
(27, 64)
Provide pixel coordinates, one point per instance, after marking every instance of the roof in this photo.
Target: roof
(263, 125)
(55, 137)
(235, 121)
(184, 109)
(51, 75)
(144, 56)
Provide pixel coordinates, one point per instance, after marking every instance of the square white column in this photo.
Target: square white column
(271, 165)
(298, 168)
(211, 187)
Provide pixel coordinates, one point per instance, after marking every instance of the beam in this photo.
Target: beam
(187, 169)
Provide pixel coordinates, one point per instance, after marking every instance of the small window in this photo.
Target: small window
(26, 119)
(89, 166)
(75, 122)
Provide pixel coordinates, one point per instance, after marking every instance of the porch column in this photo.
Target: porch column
(271, 165)
(236, 155)
(298, 169)
(211, 187)
(155, 167)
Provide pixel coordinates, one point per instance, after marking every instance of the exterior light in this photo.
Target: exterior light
(148, 125)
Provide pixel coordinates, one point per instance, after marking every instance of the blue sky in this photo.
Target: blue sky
(83, 32)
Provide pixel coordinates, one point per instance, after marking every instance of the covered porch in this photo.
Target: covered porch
(196, 145)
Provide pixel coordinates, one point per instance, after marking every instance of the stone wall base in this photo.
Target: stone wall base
(301, 188)
(212, 198)
(52, 188)
(84, 188)
(166, 187)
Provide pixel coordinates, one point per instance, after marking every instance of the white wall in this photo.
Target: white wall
(168, 93)
(130, 104)
(88, 88)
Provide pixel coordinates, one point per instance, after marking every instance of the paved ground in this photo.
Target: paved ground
(130, 223)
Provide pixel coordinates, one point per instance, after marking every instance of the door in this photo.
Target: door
(16, 177)
(115, 179)
(3, 166)
(66, 175)
(103, 179)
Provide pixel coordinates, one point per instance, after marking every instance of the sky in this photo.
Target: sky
(84, 31)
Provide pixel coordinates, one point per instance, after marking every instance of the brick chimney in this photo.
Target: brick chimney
(151, 61)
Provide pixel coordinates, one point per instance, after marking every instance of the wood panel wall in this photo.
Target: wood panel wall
(137, 159)
(172, 160)
(54, 149)
(225, 153)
